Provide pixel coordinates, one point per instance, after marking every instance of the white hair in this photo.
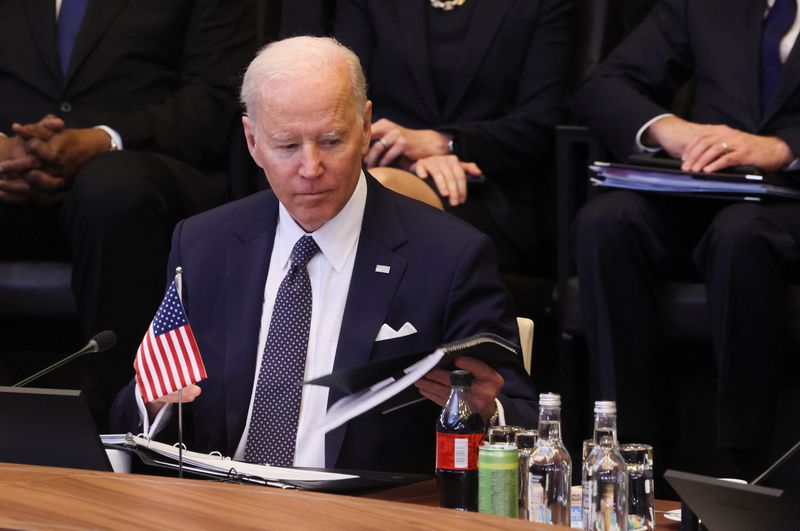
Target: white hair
(299, 57)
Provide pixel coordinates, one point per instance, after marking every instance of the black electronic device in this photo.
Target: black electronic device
(49, 427)
(725, 505)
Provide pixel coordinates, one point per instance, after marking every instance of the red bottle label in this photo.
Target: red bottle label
(457, 451)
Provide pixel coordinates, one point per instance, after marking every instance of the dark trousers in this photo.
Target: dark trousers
(115, 227)
(628, 243)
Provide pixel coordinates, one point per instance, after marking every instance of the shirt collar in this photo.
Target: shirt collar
(336, 239)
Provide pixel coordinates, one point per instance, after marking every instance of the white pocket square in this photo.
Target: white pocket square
(387, 332)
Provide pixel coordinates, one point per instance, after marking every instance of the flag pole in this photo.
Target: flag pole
(179, 286)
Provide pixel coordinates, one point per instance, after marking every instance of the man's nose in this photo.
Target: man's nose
(310, 165)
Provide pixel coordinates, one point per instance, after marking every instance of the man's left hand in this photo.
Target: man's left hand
(393, 141)
(486, 385)
(717, 147)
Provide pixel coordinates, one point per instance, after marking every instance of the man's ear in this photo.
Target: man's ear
(250, 137)
(367, 128)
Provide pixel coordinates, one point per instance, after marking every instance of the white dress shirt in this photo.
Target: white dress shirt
(330, 272)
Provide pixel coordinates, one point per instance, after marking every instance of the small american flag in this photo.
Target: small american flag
(168, 358)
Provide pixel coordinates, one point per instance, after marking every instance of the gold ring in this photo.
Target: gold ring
(725, 147)
(383, 143)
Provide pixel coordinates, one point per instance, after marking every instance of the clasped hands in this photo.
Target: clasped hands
(423, 152)
(39, 162)
(435, 386)
(711, 148)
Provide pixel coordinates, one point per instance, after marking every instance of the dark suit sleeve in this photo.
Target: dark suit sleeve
(479, 303)
(523, 137)
(193, 123)
(639, 79)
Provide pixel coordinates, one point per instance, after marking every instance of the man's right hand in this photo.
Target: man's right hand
(188, 394)
(710, 148)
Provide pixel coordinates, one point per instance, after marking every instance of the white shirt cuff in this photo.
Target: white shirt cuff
(116, 140)
(641, 147)
(162, 417)
(501, 414)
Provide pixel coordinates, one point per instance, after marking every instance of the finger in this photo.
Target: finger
(441, 183)
(480, 370)
(52, 122)
(731, 158)
(40, 149)
(15, 186)
(432, 390)
(373, 155)
(452, 186)
(382, 126)
(712, 153)
(394, 151)
(29, 131)
(188, 394)
(471, 168)
(461, 183)
(438, 375)
(20, 164)
(41, 180)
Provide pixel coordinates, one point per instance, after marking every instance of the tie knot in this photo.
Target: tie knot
(304, 250)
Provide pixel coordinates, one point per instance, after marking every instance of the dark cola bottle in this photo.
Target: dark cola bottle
(459, 433)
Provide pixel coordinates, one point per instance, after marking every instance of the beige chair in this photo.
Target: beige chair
(525, 326)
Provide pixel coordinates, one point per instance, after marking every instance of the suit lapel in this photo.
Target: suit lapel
(412, 26)
(371, 293)
(96, 21)
(245, 277)
(41, 15)
(486, 21)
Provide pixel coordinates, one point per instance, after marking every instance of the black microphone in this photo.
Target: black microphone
(101, 341)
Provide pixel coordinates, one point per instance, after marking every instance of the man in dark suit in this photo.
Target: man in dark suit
(392, 276)
(745, 111)
(467, 99)
(126, 110)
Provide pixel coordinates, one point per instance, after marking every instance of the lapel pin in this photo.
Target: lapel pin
(380, 268)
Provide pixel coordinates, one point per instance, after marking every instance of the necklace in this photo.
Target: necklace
(447, 5)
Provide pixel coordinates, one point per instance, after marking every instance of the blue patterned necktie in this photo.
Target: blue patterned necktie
(276, 405)
(69, 23)
(779, 19)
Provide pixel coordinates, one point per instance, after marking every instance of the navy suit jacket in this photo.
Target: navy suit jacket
(443, 279)
(716, 43)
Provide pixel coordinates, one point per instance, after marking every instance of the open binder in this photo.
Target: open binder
(388, 382)
(154, 454)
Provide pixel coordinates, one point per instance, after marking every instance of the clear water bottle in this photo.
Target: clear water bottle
(459, 433)
(604, 475)
(549, 468)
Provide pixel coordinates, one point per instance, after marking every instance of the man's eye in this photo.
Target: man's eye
(331, 142)
(288, 147)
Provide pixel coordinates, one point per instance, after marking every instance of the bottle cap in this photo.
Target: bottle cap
(605, 406)
(550, 400)
(461, 378)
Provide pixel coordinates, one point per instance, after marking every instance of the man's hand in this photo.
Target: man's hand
(486, 385)
(710, 148)
(64, 152)
(189, 393)
(394, 141)
(14, 159)
(449, 174)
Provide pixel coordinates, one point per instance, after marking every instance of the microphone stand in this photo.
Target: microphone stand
(785, 457)
(100, 342)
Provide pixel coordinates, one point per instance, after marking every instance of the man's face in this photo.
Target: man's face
(309, 139)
